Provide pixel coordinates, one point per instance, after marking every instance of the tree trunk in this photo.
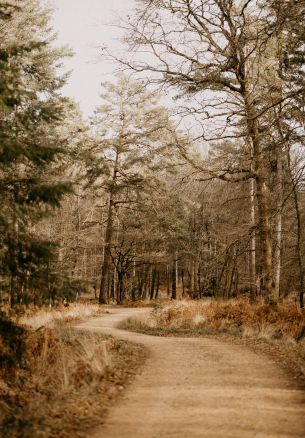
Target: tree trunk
(260, 167)
(152, 286)
(121, 294)
(76, 245)
(145, 283)
(299, 233)
(236, 281)
(133, 282)
(225, 294)
(264, 226)
(182, 281)
(104, 287)
(148, 282)
(140, 284)
(168, 281)
(158, 285)
(278, 231)
(174, 281)
(177, 270)
(199, 282)
(252, 244)
(298, 248)
(193, 279)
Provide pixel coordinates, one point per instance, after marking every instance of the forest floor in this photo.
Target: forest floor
(67, 379)
(202, 387)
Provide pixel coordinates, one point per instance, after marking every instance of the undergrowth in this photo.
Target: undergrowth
(55, 382)
(283, 325)
(285, 320)
(37, 317)
(146, 303)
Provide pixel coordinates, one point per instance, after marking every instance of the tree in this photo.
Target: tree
(31, 109)
(213, 53)
(288, 16)
(133, 136)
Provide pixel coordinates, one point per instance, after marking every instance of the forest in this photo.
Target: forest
(189, 175)
(187, 181)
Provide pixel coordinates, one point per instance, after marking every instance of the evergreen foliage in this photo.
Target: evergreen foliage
(31, 111)
(134, 140)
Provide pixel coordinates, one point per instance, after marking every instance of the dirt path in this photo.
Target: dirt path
(201, 387)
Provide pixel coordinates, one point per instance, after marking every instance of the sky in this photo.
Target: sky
(84, 26)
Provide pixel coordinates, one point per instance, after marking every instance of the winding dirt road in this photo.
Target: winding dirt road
(201, 387)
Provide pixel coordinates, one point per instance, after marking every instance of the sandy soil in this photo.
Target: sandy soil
(201, 387)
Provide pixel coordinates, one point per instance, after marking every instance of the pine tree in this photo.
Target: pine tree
(133, 139)
(31, 109)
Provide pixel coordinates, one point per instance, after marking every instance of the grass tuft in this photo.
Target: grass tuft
(51, 317)
(64, 381)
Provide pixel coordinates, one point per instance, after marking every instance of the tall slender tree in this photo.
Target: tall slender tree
(133, 138)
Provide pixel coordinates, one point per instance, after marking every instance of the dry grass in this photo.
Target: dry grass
(53, 316)
(260, 320)
(278, 330)
(238, 315)
(147, 303)
(64, 382)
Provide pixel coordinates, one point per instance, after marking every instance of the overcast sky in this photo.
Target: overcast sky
(82, 24)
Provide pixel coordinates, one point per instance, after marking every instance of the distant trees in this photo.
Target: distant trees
(31, 110)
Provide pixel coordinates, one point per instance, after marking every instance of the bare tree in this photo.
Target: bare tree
(217, 53)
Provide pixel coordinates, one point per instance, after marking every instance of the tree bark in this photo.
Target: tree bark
(104, 287)
(252, 244)
(174, 284)
(278, 231)
(263, 198)
(264, 226)
(121, 292)
(199, 282)
(152, 286)
(193, 291)
(168, 281)
(133, 282)
(182, 281)
(157, 285)
(299, 233)
(177, 270)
